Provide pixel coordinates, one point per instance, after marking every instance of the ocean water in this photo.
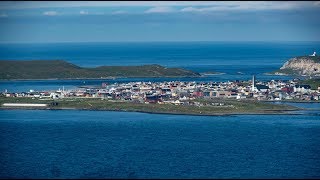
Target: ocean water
(103, 144)
(238, 60)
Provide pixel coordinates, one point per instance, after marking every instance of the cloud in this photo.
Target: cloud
(50, 13)
(317, 3)
(255, 5)
(190, 9)
(84, 12)
(160, 9)
(119, 12)
(3, 15)
(65, 4)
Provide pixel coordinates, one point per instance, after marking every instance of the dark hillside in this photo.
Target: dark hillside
(49, 69)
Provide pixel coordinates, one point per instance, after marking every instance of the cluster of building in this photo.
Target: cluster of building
(176, 92)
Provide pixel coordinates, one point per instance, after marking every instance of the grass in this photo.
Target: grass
(49, 69)
(288, 71)
(316, 59)
(314, 83)
(232, 106)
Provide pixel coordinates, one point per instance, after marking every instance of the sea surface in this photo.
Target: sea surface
(237, 60)
(105, 144)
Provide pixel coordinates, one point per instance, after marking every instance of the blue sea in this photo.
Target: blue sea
(105, 144)
(238, 60)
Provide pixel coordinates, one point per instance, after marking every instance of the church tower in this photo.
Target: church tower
(253, 83)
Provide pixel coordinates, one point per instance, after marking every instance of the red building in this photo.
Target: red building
(287, 89)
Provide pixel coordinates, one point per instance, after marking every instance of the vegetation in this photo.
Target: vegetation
(226, 106)
(288, 71)
(314, 83)
(316, 59)
(58, 69)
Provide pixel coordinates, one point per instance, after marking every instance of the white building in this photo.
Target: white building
(314, 54)
(302, 88)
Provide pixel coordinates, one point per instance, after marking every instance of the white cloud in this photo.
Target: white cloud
(119, 12)
(159, 9)
(317, 3)
(255, 5)
(52, 4)
(3, 15)
(198, 6)
(50, 13)
(190, 9)
(84, 12)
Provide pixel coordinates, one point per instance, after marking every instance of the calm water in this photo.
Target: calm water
(102, 144)
(238, 60)
(90, 144)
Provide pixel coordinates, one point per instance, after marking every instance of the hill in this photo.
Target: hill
(59, 69)
(302, 65)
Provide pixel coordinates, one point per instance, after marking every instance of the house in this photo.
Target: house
(287, 89)
(302, 88)
(152, 98)
(262, 88)
(197, 93)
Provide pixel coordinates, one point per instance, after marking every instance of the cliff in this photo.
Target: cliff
(303, 66)
(58, 69)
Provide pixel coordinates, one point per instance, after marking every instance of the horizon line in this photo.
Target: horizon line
(156, 41)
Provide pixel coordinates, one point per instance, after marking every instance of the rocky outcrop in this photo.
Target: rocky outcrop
(303, 65)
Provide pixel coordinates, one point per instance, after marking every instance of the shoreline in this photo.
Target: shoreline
(111, 78)
(272, 112)
(289, 101)
(205, 107)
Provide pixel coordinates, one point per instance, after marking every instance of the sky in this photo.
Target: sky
(140, 21)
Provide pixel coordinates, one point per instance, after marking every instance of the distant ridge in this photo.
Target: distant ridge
(59, 69)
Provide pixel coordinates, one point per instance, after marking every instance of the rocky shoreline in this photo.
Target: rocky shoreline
(300, 66)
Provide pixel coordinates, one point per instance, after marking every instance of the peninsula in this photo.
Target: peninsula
(59, 69)
(300, 66)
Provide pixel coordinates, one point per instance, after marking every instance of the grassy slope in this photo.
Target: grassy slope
(47, 69)
(240, 107)
(314, 83)
(316, 59)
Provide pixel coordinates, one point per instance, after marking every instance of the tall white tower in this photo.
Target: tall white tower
(253, 83)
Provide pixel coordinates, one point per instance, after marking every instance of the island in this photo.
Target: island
(300, 66)
(59, 69)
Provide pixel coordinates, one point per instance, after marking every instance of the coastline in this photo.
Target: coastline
(229, 107)
(291, 101)
(272, 112)
(106, 78)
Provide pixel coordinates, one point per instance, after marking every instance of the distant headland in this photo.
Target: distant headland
(59, 69)
(301, 66)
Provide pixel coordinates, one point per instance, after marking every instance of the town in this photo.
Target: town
(183, 93)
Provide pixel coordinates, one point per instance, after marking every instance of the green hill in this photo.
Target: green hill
(59, 69)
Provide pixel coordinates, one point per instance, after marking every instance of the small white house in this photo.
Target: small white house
(302, 88)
